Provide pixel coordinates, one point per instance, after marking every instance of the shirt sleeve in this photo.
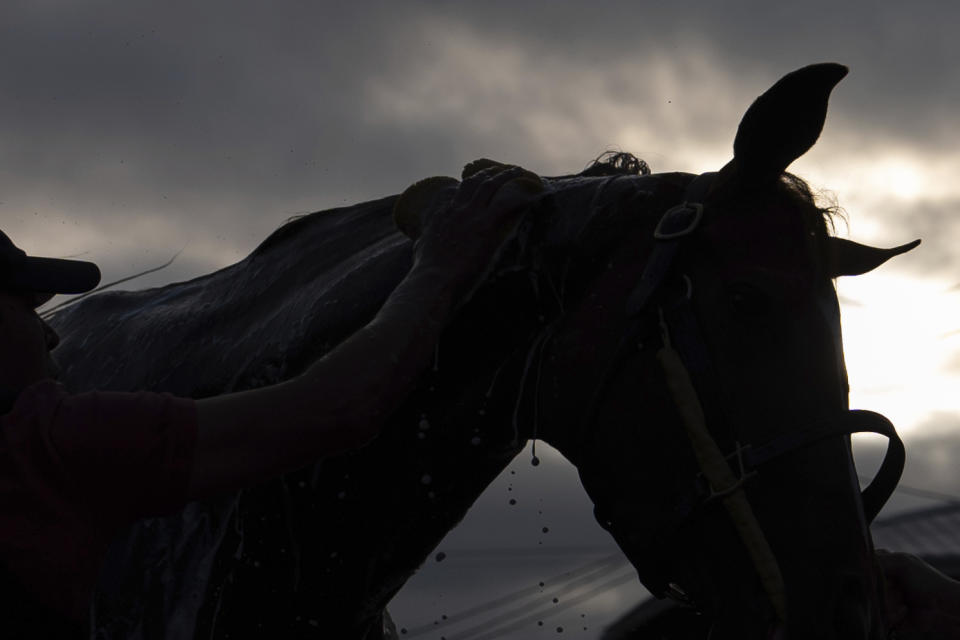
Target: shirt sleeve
(130, 455)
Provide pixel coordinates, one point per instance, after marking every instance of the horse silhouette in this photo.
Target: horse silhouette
(564, 342)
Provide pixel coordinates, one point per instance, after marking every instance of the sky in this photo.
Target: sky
(130, 131)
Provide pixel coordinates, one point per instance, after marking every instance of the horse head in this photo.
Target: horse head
(710, 337)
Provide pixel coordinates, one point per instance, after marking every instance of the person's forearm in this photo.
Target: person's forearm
(374, 370)
(345, 398)
(340, 403)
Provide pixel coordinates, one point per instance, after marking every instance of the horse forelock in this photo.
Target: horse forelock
(781, 221)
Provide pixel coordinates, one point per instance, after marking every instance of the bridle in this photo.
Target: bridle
(686, 363)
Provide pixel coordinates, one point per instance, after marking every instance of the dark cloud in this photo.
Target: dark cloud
(904, 80)
(266, 100)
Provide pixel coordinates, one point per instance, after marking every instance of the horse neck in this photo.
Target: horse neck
(591, 253)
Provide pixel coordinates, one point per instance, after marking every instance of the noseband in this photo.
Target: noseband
(686, 364)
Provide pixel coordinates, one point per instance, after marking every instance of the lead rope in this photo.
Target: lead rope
(722, 480)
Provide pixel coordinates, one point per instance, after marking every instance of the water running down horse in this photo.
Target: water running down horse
(569, 341)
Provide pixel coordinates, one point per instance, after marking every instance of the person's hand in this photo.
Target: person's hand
(920, 601)
(463, 239)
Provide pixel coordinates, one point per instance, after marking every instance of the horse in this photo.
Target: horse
(674, 336)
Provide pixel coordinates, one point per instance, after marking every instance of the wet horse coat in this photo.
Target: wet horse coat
(315, 544)
(320, 552)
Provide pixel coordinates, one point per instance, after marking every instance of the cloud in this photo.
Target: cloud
(552, 108)
(226, 114)
(952, 365)
(936, 222)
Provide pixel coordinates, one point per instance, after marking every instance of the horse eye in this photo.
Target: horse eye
(749, 300)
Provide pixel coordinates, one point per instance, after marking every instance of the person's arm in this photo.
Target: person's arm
(343, 399)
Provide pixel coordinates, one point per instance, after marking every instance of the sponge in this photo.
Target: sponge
(523, 186)
(425, 197)
(421, 199)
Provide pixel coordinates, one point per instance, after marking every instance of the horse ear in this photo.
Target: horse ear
(783, 123)
(848, 258)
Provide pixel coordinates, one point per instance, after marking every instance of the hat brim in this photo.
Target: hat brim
(49, 276)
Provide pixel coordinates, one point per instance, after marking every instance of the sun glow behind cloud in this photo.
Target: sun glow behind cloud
(900, 320)
(885, 172)
(899, 348)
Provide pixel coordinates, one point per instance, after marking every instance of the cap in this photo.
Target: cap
(44, 277)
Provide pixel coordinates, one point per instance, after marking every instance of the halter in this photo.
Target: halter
(685, 360)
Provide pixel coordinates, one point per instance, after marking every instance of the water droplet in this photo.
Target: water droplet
(535, 461)
(426, 479)
(559, 629)
(302, 484)
(546, 529)
(424, 423)
(541, 584)
(539, 623)
(440, 557)
(403, 630)
(512, 472)
(341, 495)
(313, 623)
(421, 435)
(512, 501)
(431, 495)
(475, 440)
(556, 600)
(482, 412)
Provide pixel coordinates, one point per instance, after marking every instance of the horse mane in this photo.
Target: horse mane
(611, 163)
(799, 193)
(296, 222)
(794, 194)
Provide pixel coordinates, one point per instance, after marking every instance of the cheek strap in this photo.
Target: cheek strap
(723, 482)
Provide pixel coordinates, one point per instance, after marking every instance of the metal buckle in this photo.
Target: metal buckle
(741, 479)
(676, 213)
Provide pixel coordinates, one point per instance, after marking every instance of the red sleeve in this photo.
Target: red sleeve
(130, 454)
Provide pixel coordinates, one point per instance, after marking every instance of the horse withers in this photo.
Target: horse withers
(676, 337)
